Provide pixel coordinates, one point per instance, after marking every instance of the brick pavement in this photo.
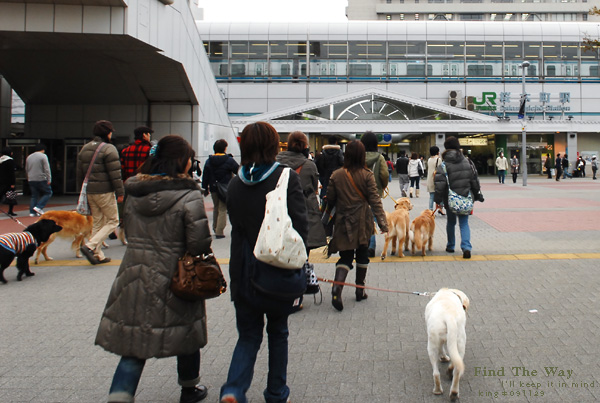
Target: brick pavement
(373, 351)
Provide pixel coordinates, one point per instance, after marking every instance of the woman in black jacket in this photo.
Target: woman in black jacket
(463, 180)
(7, 177)
(259, 144)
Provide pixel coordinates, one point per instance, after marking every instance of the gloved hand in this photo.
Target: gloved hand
(205, 192)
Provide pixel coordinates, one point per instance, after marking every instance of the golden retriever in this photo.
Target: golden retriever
(446, 318)
(421, 231)
(74, 225)
(398, 221)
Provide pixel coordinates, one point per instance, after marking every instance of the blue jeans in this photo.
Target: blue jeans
(431, 194)
(373, 240)
(465, 232)
(501, 175)
(40, 194)
(129, 371)
(250, 324)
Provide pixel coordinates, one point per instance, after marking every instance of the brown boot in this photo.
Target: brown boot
(361, 274)
(336, 291)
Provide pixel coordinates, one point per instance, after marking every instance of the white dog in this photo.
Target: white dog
(446, 317)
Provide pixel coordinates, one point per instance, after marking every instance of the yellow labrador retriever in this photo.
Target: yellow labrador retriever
(398, 221)
(446, 317)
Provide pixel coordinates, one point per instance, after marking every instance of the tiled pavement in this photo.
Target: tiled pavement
(533, 285)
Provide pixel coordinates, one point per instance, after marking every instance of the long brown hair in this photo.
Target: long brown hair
(354, 157)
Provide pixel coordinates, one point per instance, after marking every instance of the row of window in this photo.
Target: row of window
(414, 68)
(489, 1)
(400, 50)
(489, 17)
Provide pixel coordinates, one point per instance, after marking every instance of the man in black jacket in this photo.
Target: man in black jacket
(218, 171)
(331, 158)
(402, 170)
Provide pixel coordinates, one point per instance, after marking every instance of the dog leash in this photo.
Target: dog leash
(13, 218)
(423, 294)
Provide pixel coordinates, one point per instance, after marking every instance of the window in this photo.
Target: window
(388, 17)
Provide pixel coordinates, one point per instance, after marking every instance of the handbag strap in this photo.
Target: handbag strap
(87, 175)
(354, 185)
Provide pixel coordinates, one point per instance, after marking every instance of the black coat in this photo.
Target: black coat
(246, 208)
(7, 175)
(461, 175)
(218, 168)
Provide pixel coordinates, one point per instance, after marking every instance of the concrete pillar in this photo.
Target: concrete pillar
(571, 150)
(440, 138)
(5, 108)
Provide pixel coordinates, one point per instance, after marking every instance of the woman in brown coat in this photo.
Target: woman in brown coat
(164, 217)
(352, 189)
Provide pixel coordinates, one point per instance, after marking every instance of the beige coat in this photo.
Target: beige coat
(353, 217)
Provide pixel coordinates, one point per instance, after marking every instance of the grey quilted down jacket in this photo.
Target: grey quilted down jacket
(164, 217)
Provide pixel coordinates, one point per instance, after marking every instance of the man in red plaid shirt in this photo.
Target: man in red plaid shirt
(136, 154)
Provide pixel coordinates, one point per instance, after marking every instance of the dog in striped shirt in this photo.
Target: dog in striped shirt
(23, 245)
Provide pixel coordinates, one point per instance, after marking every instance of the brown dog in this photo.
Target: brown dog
(74, 225)
(421, 231)
(398, 221)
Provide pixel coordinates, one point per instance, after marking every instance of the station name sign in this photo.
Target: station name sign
(500, 102)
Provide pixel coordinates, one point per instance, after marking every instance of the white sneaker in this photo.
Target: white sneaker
(38, 210)
(33, 215)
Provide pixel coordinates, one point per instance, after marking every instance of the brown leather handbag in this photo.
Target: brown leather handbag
(198, 277)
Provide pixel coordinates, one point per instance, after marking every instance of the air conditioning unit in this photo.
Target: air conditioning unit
(470, 103)
(455, 98)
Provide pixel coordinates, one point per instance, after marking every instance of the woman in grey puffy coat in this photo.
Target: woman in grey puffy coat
(463, 180)
(164, 217)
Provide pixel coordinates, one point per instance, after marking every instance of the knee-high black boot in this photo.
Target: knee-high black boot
(361, 274)
(336, 291)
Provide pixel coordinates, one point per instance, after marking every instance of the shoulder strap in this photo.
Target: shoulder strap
(354, 185)
(87, 175)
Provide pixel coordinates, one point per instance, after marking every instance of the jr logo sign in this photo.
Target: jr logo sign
(486, 97)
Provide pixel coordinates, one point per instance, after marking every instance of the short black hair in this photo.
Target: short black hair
(434, 150)
(332, 140)
(220, 146)
(369, 140)
(7, 151)
(451, 143)
(139, 132)
(40, 147)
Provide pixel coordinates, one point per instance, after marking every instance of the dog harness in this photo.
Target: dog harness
(17, 242)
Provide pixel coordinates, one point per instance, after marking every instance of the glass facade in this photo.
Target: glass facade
(391, 60)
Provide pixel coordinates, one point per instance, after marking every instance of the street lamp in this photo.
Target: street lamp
(524, 65)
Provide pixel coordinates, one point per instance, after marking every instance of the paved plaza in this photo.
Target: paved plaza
(533, 328)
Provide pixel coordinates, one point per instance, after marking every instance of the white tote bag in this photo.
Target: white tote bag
(278, 243)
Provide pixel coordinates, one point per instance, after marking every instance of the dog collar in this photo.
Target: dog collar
(460, 299)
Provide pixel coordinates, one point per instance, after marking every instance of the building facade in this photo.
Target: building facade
(471, 10)
(415, 82)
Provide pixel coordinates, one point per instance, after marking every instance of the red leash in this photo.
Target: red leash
(424, 294)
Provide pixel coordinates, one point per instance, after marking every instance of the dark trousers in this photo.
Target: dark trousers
(250, 324)
(347, 257)
(514, 177)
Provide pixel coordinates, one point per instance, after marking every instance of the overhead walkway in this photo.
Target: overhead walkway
(131, 61)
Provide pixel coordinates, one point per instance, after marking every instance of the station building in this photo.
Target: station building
(414, 83)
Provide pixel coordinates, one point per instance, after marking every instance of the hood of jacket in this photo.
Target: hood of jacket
(252, 174)
(453, 156)
(371, 158)
(291, 159)
(331, 149)
(152, 195)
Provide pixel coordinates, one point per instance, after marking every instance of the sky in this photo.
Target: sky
(274, 10)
